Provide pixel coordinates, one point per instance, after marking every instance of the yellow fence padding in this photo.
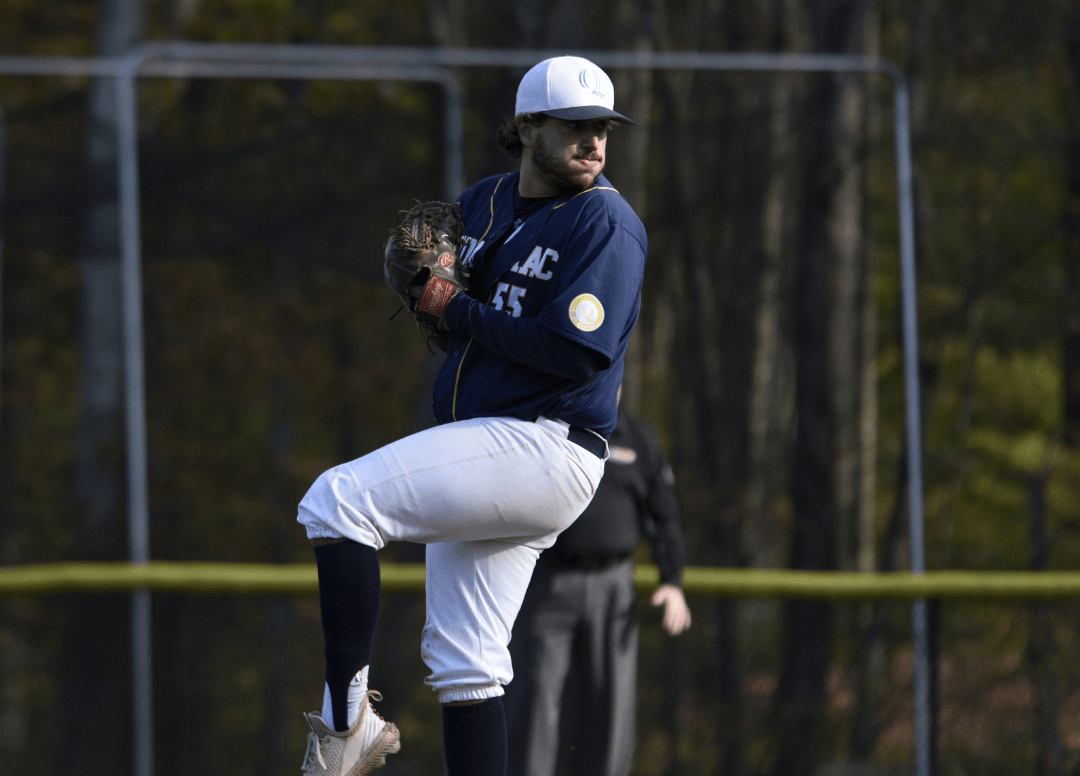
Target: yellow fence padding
(301, 579)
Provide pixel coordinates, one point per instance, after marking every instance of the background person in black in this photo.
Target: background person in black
(575, 641)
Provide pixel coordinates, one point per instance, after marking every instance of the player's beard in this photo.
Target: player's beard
(556, 172)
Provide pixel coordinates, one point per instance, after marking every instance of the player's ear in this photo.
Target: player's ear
(527, 130)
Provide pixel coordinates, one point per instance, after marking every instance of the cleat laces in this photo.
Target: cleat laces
(313, 755)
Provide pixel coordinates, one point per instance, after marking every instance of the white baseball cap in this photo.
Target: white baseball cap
(568, 88)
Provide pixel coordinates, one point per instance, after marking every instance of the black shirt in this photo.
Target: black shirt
(635, 499)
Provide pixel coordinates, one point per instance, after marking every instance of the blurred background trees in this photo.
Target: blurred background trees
(767, 356)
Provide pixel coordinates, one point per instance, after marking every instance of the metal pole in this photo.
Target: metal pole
(909, 315)
(135, 415)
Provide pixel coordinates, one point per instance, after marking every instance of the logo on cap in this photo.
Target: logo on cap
(591, 81)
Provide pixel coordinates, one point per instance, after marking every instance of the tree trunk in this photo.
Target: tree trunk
(1071, 244)
(1049, 748)
(628, 153)
(808, 626)
(771, 409)
(845, 324)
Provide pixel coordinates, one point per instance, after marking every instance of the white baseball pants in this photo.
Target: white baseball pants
(487, 495)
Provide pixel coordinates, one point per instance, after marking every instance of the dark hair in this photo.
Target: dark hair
(507, 135)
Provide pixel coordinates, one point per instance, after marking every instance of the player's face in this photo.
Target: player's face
(569, 155)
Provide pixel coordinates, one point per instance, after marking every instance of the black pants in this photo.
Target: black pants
(575, 669)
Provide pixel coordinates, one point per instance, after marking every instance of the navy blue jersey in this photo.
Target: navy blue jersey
(576, 266)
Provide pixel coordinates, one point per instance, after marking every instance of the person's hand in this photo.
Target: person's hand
(676, 616)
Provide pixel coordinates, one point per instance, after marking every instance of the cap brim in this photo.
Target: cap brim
(586, 113)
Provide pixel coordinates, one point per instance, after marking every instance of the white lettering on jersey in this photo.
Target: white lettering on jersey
(470, 249)
(497, 300)
(511, 303)
(534, 264)
(548, 254)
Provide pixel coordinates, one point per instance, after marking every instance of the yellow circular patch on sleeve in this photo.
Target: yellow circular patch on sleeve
(586, 312)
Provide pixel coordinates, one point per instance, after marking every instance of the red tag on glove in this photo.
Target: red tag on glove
(437, 295)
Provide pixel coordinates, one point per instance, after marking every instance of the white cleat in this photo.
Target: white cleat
(353, 752)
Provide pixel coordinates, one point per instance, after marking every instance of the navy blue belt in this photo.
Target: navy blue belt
(590, 440)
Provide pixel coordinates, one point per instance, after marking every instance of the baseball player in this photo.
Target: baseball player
(525, 399)
(575, 643)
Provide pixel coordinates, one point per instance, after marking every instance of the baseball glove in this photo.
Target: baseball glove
(422, 265)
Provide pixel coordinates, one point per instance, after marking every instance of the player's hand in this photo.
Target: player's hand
(676, 616)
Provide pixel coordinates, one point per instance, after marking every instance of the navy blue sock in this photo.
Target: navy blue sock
(350, 589)
(474, 739)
